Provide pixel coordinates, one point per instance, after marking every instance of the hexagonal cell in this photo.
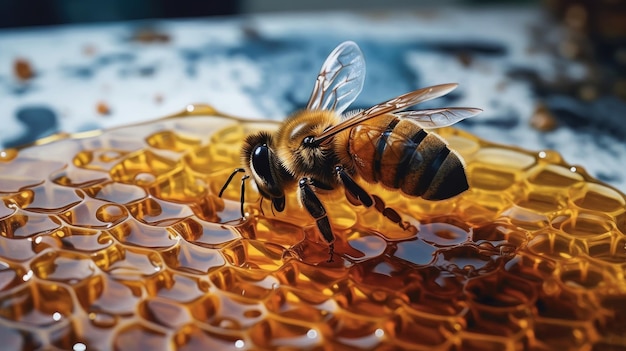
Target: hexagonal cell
(598, 198)
(486, 178)
(277, 232)
(272, 333)
(154, 211)
(95, 214)
(166, 313)
(297, 305)
(176, 287)
(179, 185)
(227, 311)
(408, 330)
(126, 168)
(141, 337)
(23, 224)
(203, 233)
(550, 175)
(63, 267)
(118, 193)
(76, 177)
(302, 276)
(554, 245)
(545, 202)
(106, 298)
(134, 233)
(83, 240)
(210, 208)
(191, 258)
(38, 305)
(441, 234)
(515, 160)
(129, 263)
(367, 301)
(478, 342)
(580, 274)
(99, 159)
(254, 254)
(23, 172)
(354, 333)
(52, 198)
(12, 275)
(20, 339)
(252, 284)
(608, 248)
(564, 334)
(362, 247)
(584, 224)
(616, 322)
(525, 218)
(501, 292)
(169, 140)
(417, 252)
(435, 292)
(192, 338)
(16, 249)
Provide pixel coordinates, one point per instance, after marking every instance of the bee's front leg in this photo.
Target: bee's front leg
(316, 209)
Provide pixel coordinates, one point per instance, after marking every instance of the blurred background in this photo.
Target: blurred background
(18, 13)
(550, 74)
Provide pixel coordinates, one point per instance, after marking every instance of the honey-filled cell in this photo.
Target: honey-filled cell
(123, 242)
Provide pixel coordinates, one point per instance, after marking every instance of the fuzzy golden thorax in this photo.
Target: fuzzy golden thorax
(300, 159)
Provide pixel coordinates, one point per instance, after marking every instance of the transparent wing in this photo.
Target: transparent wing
(340, 80)
(390, 106)
(439, 117)
(408, 99)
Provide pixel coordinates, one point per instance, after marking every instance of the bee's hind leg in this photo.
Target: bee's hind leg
(361, 196)
(316, 209)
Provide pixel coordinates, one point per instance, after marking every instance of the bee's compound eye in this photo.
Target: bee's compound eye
(309, 141)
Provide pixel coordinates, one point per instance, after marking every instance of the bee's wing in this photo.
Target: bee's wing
(340, 80)
(439, 117)
(393, 105)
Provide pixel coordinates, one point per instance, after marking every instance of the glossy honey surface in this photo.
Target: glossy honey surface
(117, 240)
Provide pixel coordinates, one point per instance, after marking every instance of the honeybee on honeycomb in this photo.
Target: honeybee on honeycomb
(321, 148)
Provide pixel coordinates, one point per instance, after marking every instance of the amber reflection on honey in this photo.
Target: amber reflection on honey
(118, 241)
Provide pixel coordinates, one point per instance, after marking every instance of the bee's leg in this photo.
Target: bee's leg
(358, 193)
(230, 178)
(353, 188)
(316, 209)
(390, 213)
(243, 193)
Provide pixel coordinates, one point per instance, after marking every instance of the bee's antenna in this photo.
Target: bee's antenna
(230, 178)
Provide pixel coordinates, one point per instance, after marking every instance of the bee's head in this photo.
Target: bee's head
(263, 165)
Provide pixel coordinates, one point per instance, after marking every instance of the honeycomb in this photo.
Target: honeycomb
(116, 240)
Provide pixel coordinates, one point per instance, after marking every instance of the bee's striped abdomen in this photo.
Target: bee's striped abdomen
(401, 155)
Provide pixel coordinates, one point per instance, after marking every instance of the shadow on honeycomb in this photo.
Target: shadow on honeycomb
(117, 240)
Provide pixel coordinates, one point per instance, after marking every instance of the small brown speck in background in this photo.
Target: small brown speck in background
(543, 120)
(158, 98)
(23, 69)
(89, 50)
(103, 108)
(150, 35)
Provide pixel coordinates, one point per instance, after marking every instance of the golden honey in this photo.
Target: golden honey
(116, 240)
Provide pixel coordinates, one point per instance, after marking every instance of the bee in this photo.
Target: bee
(319, 149)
